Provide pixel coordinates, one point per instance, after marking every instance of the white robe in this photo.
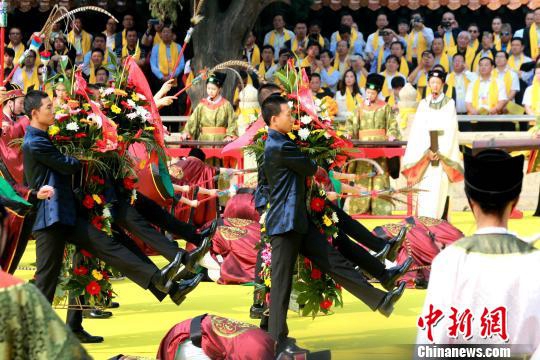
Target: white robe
(435, 181)
(474, 280)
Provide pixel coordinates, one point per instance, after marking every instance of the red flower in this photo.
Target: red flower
(80, 135)
(88, 202)
(93, 288)
(338, 287)
(80, 270)
(85, 253)
(62, 118)
(109, 293)
(62, 138)
(316, 274)
(326, 304)
(97, 222)
(307, 262)
(264, 137)
(129, 183)
(97, 180)
(105, 274)
(317, 204)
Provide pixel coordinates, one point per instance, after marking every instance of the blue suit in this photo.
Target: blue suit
(286, 169)
(45, 165)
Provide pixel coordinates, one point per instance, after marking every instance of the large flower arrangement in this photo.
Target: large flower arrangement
(316, 292)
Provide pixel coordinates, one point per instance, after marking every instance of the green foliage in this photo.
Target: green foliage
(166, 9)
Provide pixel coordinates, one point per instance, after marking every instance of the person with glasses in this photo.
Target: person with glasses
(374, 40)
(418, 40)
(15, 43)
(110, 33)
(463, 48)
(389, 36)
(474, 31)
(506, 38)
(486, 50)
(510, 80)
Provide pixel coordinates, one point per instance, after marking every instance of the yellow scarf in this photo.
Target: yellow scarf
(421, 45)
(354, 36)
(272, 39)
(469, 55)
(262, 69)
(380, 58)
(362, 82)
(443, 61)
(321, 41)
(512, 62)
(166, 64)
(477, 60)
(493, 94)
(497, 42)
(295, 45)
(374, 40)
(448, 44)
(533, 41)
(451, 80)
(305, 63)
(507, 79)
(92, 77)
(474, 46)
(255, 59)
(136, 55)
(535, 96)
(157, 39)
(386, 85)
(33, 80)
(404, 67)
(337, 63)
(391, 100)
(18, 51)
(352, 102)
(421, 85)
(86, 41)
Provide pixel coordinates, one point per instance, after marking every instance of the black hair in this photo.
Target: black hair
(392, 57)
(317, 75)
(458, 55)
(198, 153)
(272, 107)
(520, 39)
(267, 90)
(399, 43)
(326, 51)
(102, 68)
(397, 82)
(131, 30)
(267, 47)
(100, 35)
(502, 52)
(342, 87)
(487, 58)
(344, 29)
(99, 51)
(284, 51)
(32, 101)
(9, 51)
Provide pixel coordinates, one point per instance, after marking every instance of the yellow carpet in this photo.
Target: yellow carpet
(353, 332)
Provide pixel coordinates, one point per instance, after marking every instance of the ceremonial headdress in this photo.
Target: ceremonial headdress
(441, 74)
(374, 82)
(13, 91)
(217, 78)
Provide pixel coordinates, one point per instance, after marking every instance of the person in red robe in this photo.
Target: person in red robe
(215, 337)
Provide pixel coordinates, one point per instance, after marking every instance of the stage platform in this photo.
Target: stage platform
(352, 332)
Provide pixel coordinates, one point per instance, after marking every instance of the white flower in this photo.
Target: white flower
(106, 212)
(318, 102)
(291, 104)
(95, 118)
(327, 135)
(306, 119)
(142, 112)
(132, 116)
(303, 133)
(141, 96)
(335, 217)
(335, 235)
(108, 91)
(262, 220)
(72, 126)
(131, 103)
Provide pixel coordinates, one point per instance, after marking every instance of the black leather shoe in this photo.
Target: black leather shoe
(395, 244)
(290, 351)
(381, 255)
(391, 275)
(184, 287)
(256, 311)
(191, 259)
(113, 305)
(97, 314)
(387, 305)
(166, 275)
(210, 231)
(85, 338)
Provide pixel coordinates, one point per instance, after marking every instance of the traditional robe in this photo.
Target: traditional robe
(434, 181)
(222, 338)
(212, 121)
(488, 270)
(29, 327)
(377, 123)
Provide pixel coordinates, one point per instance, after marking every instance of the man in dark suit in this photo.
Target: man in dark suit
(291, 233)
(57, 221)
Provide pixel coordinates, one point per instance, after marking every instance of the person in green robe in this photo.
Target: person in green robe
(373, 120)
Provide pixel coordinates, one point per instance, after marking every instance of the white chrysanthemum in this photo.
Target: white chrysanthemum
(335, 218)
(262, 220)
(142, 112)
(141, 96)
(95, 118)
(306, 119)
(131, 103)
(318, 102)
(106, 212)
(132, 116)
(303, 133)
(291, 104)
(108, 91)
(72, 126)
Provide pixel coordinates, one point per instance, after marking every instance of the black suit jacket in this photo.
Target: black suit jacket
(527, 42)
(286, 169)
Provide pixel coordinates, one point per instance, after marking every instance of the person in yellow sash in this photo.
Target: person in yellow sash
(496, 27)
(341, 60)
(27, 75)
(449, 30)
(132, 48)
(441, 58)
(506, 37)
(79, 39)
(110, 33)
(355, 37)
(418, 40)
(531, 98)
(418, 77)
(311, 59)
(61, 47)
(531, 36)
(315, 34)
(510, 80)
(487, 94)
(398, 49)
(403, 28)
(518, 58)
(279, 36)
(267, 56)
(284, 56)
(528, 21)
(152, 35)
(348, 97)
(358, 65)
(390, 72)
(9, 56)
(128, 22)
(251, 51)
(96, 61)
(460, 79)
(298, 44)
(165, 55)
(389, 36)
(102, 76)
(373, 120)
(463, 47)
(474, 30)
(213, 119)
(98, 42)
(486, 50)
(374, 40)
(15, 42)
(330, 76)
(317, 90)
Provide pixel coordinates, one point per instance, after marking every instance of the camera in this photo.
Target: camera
(153, 21)
(383, 33)
(417, 20)
(446, 24)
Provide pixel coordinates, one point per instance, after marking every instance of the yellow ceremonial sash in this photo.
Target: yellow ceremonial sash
(354, 36)
(497, 42)
(421, 85)
(362, 82)
(451, 80)
(18, 51)
(92, 77)
(374, 40)
(352, 102)
(507, 79)
(33, 80)
(513, 64)
(305, 62)
(477, 60)
(136, 56)
(262, 69)
(272, 39)
(493, 94)
(474, 46)
(294, 44)
(533, 41)
(392, 100)
(86, 40)
(337, 63)
(448, 44)
(321, 41)
(166, 65)
(386, 85)
(157, 39)
(255, 56)
(535, 96)
(404, 67)
(443, 61)
(469, 55)
(421, 45)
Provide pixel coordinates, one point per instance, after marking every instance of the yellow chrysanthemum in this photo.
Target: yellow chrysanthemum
(135, 97)
(53, 130)
(268, 282)
(326, 220)
(115, 109)
(149, 128)
(97, 199)
(120, 92)
(97, 275)
(120, 138)
(292, 136)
